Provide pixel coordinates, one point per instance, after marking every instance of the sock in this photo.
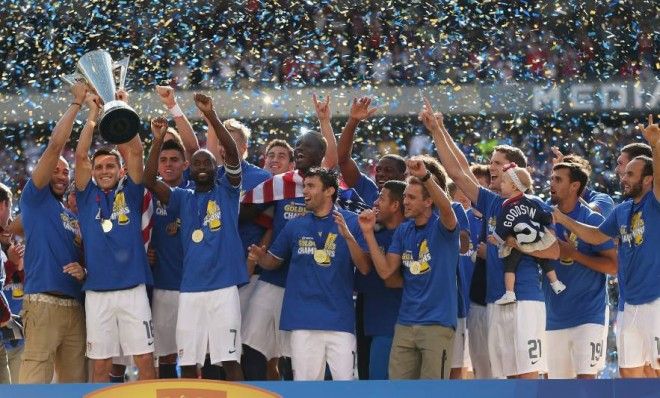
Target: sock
(167, 371)
(253, 363)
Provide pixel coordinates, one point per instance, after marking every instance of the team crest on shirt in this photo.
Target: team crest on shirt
(213, 214)
(120, 210)
(420, 266)
(161, 210)
(71, 224)
(293, 210)
(322, 257)
(636, 234)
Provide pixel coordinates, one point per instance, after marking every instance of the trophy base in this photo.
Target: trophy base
(119, 123)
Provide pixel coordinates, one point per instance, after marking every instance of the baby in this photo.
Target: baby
(523, 223)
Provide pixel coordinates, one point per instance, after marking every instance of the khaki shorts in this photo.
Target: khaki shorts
(421, 352)
(54, 340)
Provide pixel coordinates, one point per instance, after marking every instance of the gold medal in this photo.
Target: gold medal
(197, 235)
(106, 225)
(415, 267)
(321, 257)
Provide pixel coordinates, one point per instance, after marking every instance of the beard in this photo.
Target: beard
(635, 190)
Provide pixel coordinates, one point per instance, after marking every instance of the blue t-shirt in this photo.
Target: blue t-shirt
(52, 236)
(284, 211)
(367, 189)
(166, 241)
(602, 200)
(528, 284)
(462, 277)
(251, 176)
(429, 256)
(115, 259)
(214, 262)
(585, 299)
(637, 226)
(524, 217)
(381, 304)
(318, 296)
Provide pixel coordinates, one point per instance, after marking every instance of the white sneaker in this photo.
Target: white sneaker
(508, 297)
(558, 286)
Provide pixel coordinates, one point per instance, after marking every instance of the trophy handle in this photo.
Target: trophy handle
(73, 78)
(123, 65)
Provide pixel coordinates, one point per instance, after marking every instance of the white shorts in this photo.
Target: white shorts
(621, 352)
(261, 328)
(209, 322)
(477, 324)
(580, 350)
(164, 308)
(245, 293)
(516, 338)
(640, 335)
(311, 349)
(118, 323)
(460, 354)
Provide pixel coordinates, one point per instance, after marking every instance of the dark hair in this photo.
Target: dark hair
(512, 154)
(579, 160)
(399, 160)
(174, 145)
(319, 137)
(283, 144)
(576, 172)
(637, 149)
(329, 178)
(5, 193)
(395, 189)
(481, 170)
(436, 169)
(648, 165)
(108, 151)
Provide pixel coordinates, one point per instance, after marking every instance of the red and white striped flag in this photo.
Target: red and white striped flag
(281, 186)
(147, 218)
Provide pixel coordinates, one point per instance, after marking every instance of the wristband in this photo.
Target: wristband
(233, 170)
(426, 176)
(75, 103)
(175, 111)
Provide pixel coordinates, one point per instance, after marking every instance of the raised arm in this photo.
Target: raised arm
(232, 160)
(448, 218)
(159, 188)
(359, 257)
(183, 126)
(83, 169)
(385, 265)
(59, 137)
(464, 180)
(134, 158)
(652, 136)
(455, 150)
(324, 114)
(349, 169)
(587, 233)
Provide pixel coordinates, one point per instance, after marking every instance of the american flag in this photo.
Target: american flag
(289, 185)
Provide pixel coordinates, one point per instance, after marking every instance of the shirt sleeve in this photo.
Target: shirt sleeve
(461, 216)
(595, 220)
(610, 226)
(603, 202)
(281, 247)
(32, 195)
(484, 200)
(396, 246)
(367, 189)
(502, 231)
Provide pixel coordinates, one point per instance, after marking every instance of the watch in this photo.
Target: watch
(426, 177)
